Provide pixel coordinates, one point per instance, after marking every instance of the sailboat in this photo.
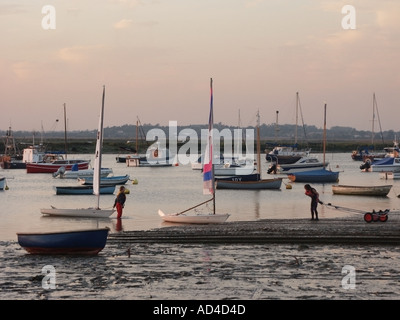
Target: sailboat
(321, 175)
(258, 184)
(95, 212)
(187, 215)
(288, 154)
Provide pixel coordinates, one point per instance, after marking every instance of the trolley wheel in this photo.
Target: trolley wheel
(383, 217)
(368, 217)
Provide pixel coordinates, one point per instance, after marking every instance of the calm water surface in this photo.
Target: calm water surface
(175, 189)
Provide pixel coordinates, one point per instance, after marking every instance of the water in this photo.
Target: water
(175, 189)
(162, 272)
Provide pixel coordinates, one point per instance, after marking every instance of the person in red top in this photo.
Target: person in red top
(120, 201)
(314, 195)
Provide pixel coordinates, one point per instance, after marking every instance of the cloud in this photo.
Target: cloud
(23, 70)
(76, 54)
(123, 24)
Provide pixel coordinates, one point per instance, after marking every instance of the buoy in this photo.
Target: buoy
(6, 187)
(135, 181)
(127, 191)
(288, 186)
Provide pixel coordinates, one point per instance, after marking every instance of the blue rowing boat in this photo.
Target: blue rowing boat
(79, 242)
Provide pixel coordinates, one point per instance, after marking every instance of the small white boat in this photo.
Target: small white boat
(380, 191)
(74, 173)
(90, 212)
(304, 164)
(194, 218)
(78, 212)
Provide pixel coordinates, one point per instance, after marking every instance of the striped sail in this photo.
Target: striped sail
(208, 179)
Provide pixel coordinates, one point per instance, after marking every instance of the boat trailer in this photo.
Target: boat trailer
(373, 216)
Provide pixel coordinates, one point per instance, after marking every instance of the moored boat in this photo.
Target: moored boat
(385, 165)
(262, 184)
(380, 191)
(82, 190)
(79, 242)
(51, 167)
(304, 164)
(106, 181)
(321, 175)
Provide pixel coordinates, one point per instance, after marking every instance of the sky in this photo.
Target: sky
(156, 57)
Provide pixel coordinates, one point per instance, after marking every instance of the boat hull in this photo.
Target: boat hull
(83, 190)
(86, 242)
(250, 185)
(2, 183)
(194, 219)
(233, 171)
(314, 176)
(51, 167)
(88, 173)
(291, 168)
(13, 165)
(380, 191)
(106, 181)
(80, 212)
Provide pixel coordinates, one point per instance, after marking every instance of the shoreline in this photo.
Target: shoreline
(353, 230)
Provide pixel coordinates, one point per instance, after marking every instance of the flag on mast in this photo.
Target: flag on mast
(208, 179)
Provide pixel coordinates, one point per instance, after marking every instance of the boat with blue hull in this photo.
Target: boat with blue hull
(83, 190)
(322, 175)
(76, 242)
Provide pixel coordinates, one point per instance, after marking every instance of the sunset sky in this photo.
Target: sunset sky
(156, 58)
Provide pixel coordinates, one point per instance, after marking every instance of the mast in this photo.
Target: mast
(97, 158)
(324, 133)
(65, 131)
(276, 126)
(210, 141)
(297, 109)
(258, 144)
(137, 136)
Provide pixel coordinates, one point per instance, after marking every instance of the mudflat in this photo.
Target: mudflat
(329, 259)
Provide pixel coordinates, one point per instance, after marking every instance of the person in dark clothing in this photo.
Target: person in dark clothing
(314, 195)
(119, 202)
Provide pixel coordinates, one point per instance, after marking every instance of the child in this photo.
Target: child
(120, 201)
(314, 195)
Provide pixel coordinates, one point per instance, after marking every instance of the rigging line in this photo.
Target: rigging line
(379, 120)
(195, 206)
(302, 121)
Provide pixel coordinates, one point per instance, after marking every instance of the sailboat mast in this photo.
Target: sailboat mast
(297, 116)
(65, 131)
(373, 119)
(210, 135)
(137, 136)
(324, 133)
(258, 144)
(98, 154)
